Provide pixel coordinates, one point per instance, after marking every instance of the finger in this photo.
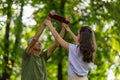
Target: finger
(69, 18)
(52, 12)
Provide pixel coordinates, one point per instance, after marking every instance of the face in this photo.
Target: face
(38, 46)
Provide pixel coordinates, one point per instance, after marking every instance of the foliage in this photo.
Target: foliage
(101, 15)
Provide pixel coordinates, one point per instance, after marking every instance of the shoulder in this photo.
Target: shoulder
(25, 55)
(72, 46)
(44, 54)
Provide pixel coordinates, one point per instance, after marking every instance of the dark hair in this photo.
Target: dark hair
(87, 43)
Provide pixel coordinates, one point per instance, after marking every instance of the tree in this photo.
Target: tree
(102, 16)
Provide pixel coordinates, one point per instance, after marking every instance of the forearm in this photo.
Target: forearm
(62, 33)
(56, 44)
(72, 34)
(39, 32)
(57, 37)
(35, 38)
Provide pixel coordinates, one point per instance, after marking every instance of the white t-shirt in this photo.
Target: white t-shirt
(76, 65)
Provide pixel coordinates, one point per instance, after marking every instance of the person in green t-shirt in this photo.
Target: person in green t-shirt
(34, 60)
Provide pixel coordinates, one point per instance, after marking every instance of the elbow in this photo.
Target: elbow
(57, 40)
(57, 37)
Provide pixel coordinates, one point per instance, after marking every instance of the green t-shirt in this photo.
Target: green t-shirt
(34, 67)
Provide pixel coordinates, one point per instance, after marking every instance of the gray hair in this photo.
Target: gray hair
(30, 40)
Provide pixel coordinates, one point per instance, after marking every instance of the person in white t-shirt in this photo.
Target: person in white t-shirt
(81, 54)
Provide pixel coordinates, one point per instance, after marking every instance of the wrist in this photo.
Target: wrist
(68, 30)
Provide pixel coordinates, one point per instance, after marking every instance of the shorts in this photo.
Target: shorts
(75, 77)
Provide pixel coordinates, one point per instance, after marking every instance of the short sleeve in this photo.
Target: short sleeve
(72, 48)
(44, 54)
(25, 55)
(72, 52)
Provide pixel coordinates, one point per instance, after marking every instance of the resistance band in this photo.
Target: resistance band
(59, 18)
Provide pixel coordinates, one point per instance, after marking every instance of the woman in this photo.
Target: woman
(80, 55)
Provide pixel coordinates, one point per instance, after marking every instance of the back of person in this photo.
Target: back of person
(80, 55)
(33, 67)
(76, 65)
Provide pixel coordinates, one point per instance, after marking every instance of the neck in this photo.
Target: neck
(36, 52)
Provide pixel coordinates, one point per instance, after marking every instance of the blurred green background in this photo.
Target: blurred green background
(20, 19)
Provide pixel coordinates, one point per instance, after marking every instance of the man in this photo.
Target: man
(33, 63)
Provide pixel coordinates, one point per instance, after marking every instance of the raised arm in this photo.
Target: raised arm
(57, 37)
(35, 38)
(56, 44)
(70, 32)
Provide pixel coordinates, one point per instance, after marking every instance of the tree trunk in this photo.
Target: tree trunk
(60, 66)
(6, 68)
(60, 59)
(18, 31)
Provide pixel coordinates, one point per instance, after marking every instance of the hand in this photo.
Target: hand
(47, 22)
(66, 26)
(52, 12)
(69, 18)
